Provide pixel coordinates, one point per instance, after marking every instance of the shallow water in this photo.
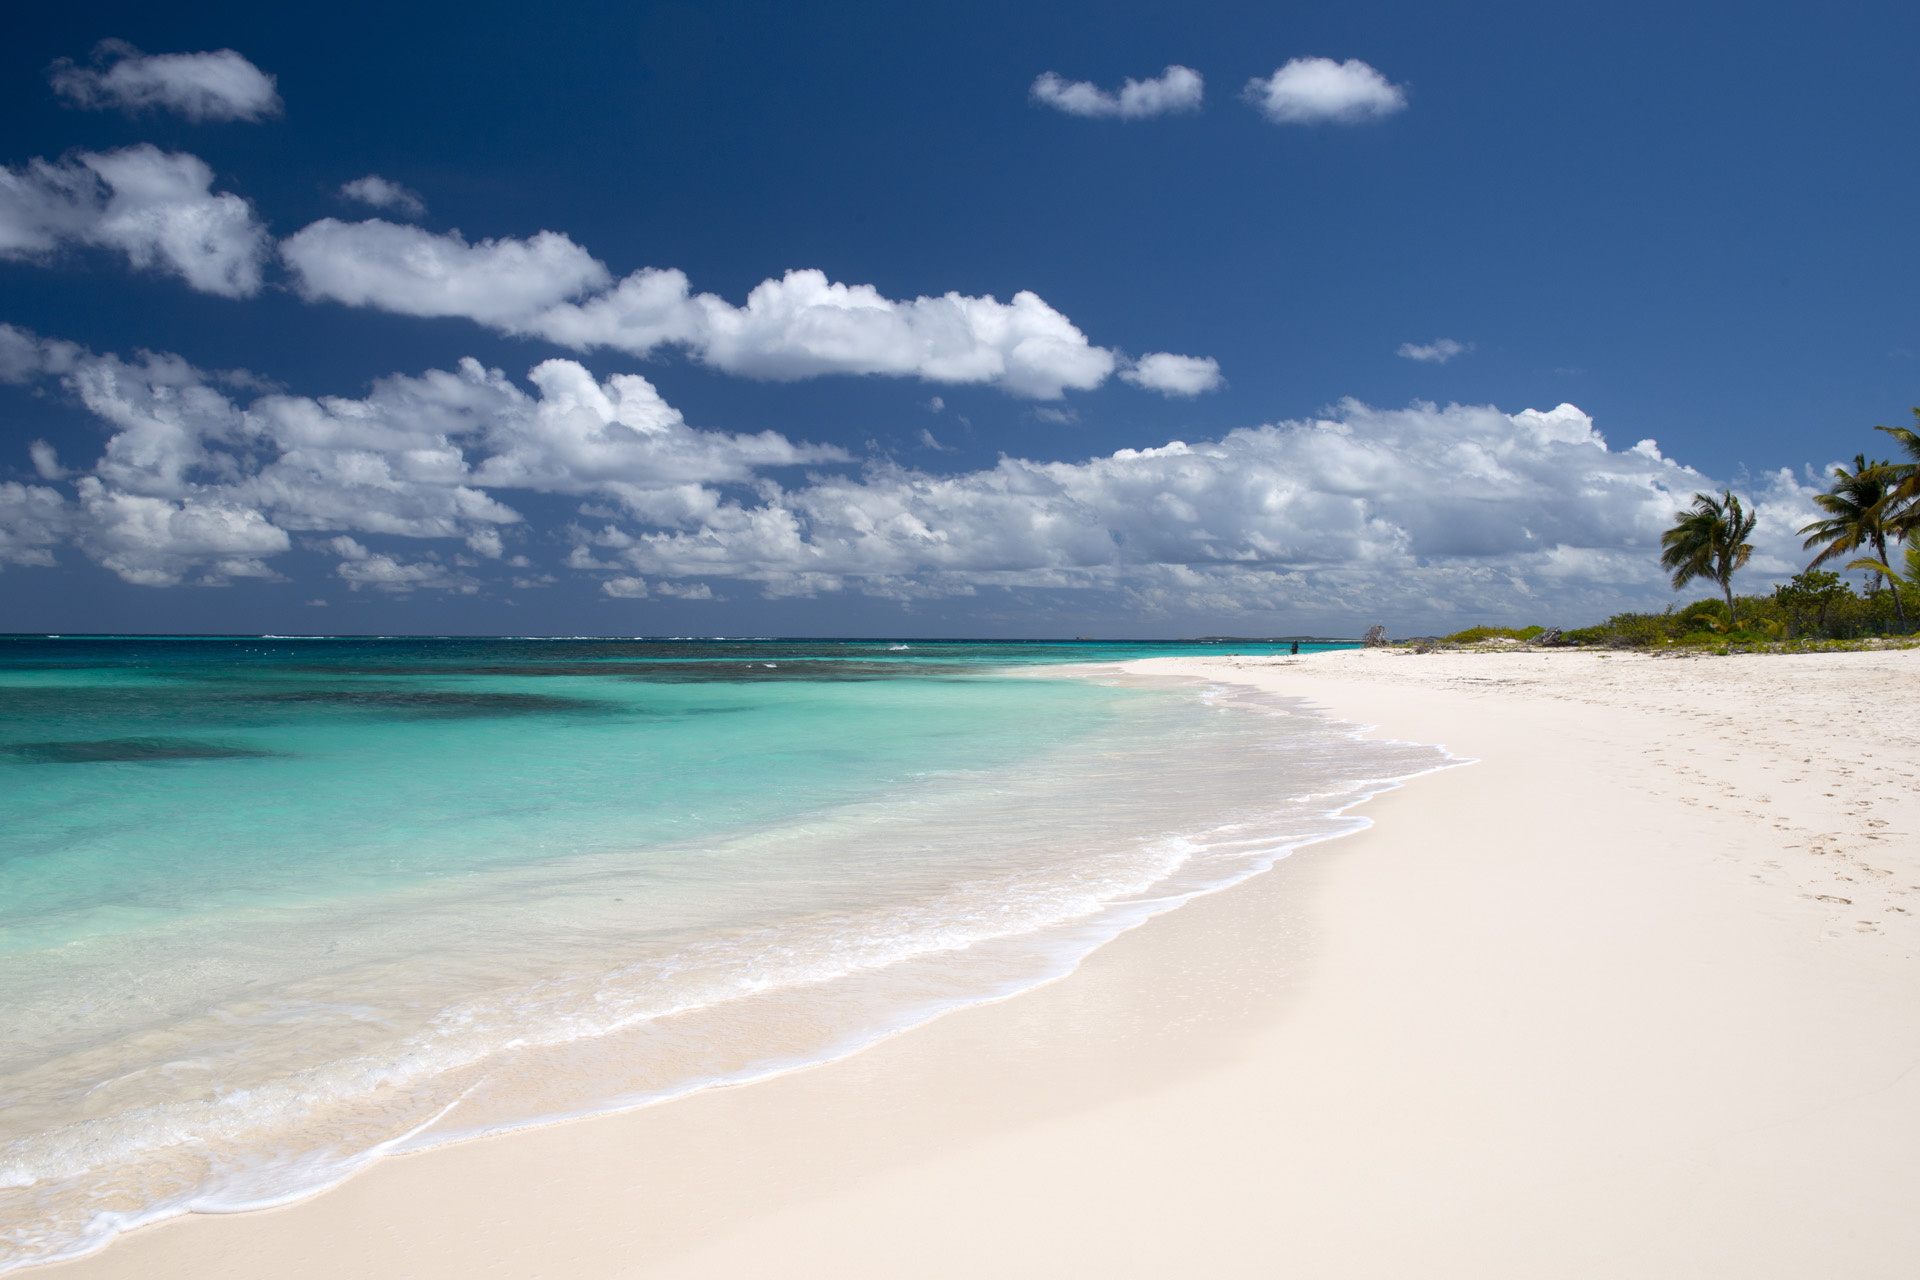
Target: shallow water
(271, 908)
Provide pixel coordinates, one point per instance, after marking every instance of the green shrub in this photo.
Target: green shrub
(1476, 635)
(1641, 630)
(1705, 615)
(1815, 606)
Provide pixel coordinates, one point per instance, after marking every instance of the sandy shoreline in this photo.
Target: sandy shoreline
(1633, 994)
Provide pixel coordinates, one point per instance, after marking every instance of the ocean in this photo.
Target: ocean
(271, 908)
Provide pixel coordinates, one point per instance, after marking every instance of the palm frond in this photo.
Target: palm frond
(1870, 565)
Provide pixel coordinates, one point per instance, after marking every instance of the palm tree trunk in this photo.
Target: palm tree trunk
(1726, 585)
(1899, 609)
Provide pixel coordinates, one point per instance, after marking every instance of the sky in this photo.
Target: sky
(948, 320)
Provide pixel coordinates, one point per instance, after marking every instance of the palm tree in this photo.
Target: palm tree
(1709, 541)
(1910, 576)
(1903, 511)
(1858, 508)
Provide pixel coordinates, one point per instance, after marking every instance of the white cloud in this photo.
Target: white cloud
(376, 191)
(686, 590)
(1313, 90)
(198, 480)
(160, 211)
(26, 357)
(46, 460)
(802, 325)
(1177, 89)
(1425, 514)
(1421, 512)
(1439, 351)
(620, 439)
(385, 573)
(157, 209)
(1173, 375)
(220, 85)
(33, 520)
(625, 588)
(417, 273)
(799, 326)
(157, 542)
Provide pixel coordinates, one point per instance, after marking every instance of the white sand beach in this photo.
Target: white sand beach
(1637, 993)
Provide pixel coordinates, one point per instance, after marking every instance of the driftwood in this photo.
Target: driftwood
(1376, 636)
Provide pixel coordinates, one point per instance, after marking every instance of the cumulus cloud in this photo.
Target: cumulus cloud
(360, 567)
(1176, 89)
(1316, 90)
(1431, 513)
(46, 460)
(26, 357)
(1173, 375)
(1337, 517)
(376, 191)
(418, 273)
(156, 542)
(192, 481)
(688, 591)
(800, 326)
(220, 85)
(158, 209)
(1439, 351)
(33, 521)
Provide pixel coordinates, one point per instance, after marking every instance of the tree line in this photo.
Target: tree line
(1867, 509)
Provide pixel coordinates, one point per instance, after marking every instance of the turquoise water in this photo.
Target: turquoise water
(271, 907)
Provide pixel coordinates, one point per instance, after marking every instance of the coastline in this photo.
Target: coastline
(1573, 1010)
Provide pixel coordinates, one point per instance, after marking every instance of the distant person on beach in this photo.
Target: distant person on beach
(1296, 648)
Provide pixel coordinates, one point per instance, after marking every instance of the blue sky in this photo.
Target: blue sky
(1693, 223)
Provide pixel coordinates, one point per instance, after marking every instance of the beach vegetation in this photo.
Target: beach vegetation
(1869, 524)
(1906, 478)
(1480, 635)
(1862, 510)
(1816, 608)
(1709, 540)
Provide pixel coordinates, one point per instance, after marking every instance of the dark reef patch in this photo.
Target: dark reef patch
(124, 750)
(757, 668)
(438, 704)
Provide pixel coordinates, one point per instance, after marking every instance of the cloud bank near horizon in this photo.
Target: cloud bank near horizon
(414, 487)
